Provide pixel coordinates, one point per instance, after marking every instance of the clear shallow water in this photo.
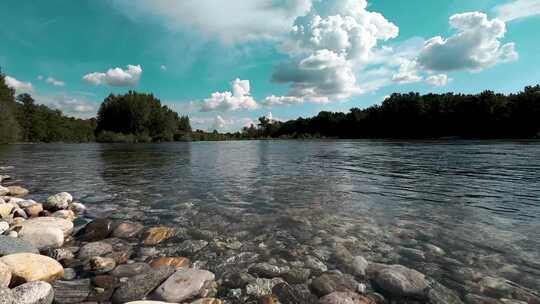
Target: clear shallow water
(479, 201)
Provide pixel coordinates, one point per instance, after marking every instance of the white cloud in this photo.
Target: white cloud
(328, 46)
(55, 82)
(19, 86)
(408, 72)
(163, 67)
(220, 123)
(71, 106)
(517, 9)
(439, 80)
(116, 77)
(239, 99)
(474, 47)
(230, 21)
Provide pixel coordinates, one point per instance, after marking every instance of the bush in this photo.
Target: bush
(112, 137)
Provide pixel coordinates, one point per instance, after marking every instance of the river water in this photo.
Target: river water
(479, 201)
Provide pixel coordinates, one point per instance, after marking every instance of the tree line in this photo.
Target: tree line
(140, 117)
(430, 116)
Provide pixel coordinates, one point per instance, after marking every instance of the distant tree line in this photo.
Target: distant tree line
(484, 115)
(22, 120)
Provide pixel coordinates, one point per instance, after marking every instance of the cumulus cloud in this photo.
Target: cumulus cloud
(407, 73)
(439, 80)
(327, 47)
(71, 106)
(116, 77)
(163, 67)
(517, 9)
(474, 47)
(19, 86)
(239, 99)
(230, 21)
(220, 123)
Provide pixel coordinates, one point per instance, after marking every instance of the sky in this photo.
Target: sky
(227, 62)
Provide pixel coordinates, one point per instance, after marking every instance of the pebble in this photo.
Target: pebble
(127, 229)
(96, 230)
(5, 210)
(156, 235)
(344, 298)
(176, 262)
(100, 265)
(58, 201)
(262, 287)
(267, 270)
(42, 237)
(293, 294)
(71, 292)
(130, 270)
(10, 245)
(4, 190)
(4, 226)
(207, 301)
(17, 191)
(69, 274)
(400, 281)
(33, 210)
(5, 275)
(331, 282)
(65, 214)
(48, 221)
(94, 249)
(184, 284)
(33, 293)
(27, 267)
(137, 287)
(76, 207)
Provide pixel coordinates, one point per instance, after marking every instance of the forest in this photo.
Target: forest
(139, 117)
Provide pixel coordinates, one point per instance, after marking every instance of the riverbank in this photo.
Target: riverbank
(58, 250)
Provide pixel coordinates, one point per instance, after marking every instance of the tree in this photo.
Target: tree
(9, 127)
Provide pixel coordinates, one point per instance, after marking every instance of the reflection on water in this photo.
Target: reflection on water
(479, 201)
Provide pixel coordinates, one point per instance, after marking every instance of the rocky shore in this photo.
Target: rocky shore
(57, 251)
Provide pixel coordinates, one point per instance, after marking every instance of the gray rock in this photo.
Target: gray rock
(94, 249)
(293, 294)
(438, 294)
(184, 284)
(400, 281)
(267, 270)
(4, 226)
(37, 292)
(60, 254)
(71, 292)
(127, 229)
(237, 279)
(96, 230)
(58, 201)
(297, 275)
(262, 287)
(130, 270)
(359, 266)
(100, 265)
(330, 282)
(9, 245)
(190, 247)
(412, 254)
(137, 287)
(316, 265)
(69, 274)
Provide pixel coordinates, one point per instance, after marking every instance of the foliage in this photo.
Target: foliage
(140, 115)
(484, 115)
(9, 127)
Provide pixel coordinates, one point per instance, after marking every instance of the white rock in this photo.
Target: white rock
(5, 275)
(78, 208)
(58, 201)
(184, 284)
(43, 237)
(49, 221)
(33, 293)
(4, 190)
(3, 227)
(5, 209)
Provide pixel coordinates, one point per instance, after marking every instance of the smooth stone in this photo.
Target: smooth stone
(176, 262)
(106, 281)
(10, 245)
(139, 286)
(5, 210)
(412, 254)
(293, 294)
(4, 226)
(316, 265)
(43, 237)
(69, 274)
(127, 229)
(184, 284)
(331, 282)
(94, 249)
(156, 235)
(60, 254)
(262, 287)
(190, 247)
(33, 210)
(27, 267)
(130, 270)
(237, 279)
(58, 201)
(101, 265)
(344, 298)
(65, 214)
(5, 275)
(400, 281)
(207, 301)
(148, 302)
(71, 292)
(33, 293)
(17, 191)
(359, 264)
(19, 212)
(4, 191)
(12, 234)
(266, 270)
(434, 250)
(76, 207)
(297, 275)
(48, 221)
(96, 230)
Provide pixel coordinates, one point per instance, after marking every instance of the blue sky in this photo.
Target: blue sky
(225, 63)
